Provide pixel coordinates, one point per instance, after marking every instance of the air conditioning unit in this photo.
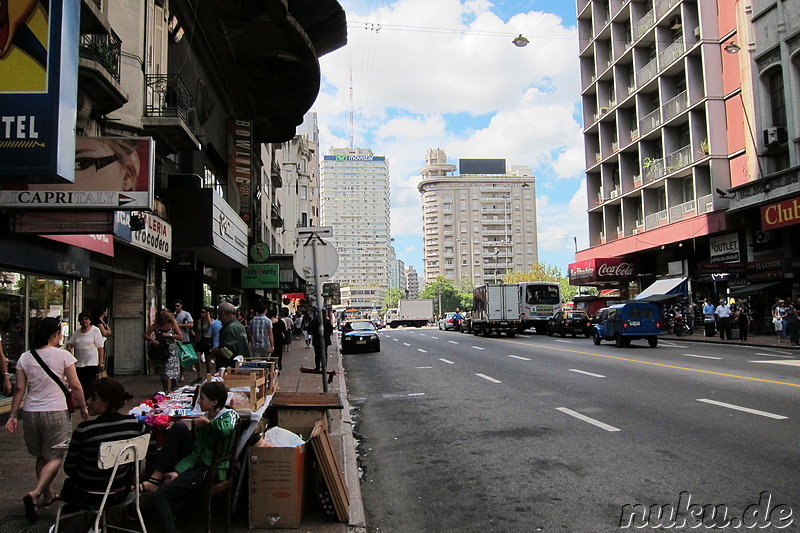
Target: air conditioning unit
(614, 193)
(604, 110)
(635, 231)
(774, 135)
(763, 236)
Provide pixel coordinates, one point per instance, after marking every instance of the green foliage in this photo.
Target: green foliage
(538, 272)
(393, 295)
(442, 290)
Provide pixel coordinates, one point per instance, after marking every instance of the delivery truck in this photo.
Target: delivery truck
(495, 309)
(415, 313)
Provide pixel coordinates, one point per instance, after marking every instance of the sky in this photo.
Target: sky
(445, 74)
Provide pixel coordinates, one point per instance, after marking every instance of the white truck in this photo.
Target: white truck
(415, 313)
(495, 309)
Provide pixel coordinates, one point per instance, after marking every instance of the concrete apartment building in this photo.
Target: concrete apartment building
(412, 283)
(480, 223)
(355, 202)
(665, 128)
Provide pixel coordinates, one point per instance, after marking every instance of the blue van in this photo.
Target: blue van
(623, 323)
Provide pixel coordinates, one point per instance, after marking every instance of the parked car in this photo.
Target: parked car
(466, 323)
(379, 323)
(360, 335)
(566, 322)
(623, 323)
(448, 322)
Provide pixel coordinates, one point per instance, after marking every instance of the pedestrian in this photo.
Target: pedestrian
(260, 332)
(46, 418)
(709, 317)
(186, 323)
(298, 325)
(203, 341)
(101, 322)
(320, 347)
(793, 324)
(723, 312)
(779, 320)
(6, 388)
(278, 336)
(87, 345)
(162, 335)
(689, 313)
(306, 330)
(743, 321)
(240, 316)
(86, 482)
(232, 338)
(289, 323)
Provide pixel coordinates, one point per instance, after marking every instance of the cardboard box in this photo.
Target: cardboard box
(277, 487)
(300, 421)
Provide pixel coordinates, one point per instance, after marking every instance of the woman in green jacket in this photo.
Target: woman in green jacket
(188, 474)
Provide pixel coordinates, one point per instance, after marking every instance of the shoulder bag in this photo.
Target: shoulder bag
(67, 393)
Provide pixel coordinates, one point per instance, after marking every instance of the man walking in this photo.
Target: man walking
(186, 323)
(723, 313)
(232, 337)
(259, 332)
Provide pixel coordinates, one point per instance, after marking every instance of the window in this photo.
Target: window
(777, 100)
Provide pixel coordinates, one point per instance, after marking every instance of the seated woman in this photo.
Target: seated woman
(187, 475)
(86, 483)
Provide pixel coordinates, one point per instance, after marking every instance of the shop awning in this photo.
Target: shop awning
(663, 289)
(752, 288)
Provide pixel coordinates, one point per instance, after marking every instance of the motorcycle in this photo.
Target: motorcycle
(679, 326)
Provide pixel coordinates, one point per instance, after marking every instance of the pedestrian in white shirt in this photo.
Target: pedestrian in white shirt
(723, 313)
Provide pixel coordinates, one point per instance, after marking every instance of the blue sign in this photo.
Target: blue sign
(39, 91)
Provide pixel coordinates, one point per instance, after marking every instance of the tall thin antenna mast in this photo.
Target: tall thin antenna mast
(352, 127)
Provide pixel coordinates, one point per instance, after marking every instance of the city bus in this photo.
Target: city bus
(539, 300)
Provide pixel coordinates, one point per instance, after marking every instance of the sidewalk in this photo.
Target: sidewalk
(17, 467)
(766, 341)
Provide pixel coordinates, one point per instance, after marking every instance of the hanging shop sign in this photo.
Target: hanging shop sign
(766, 269)
(786, 213)
(155, 237)
(38, 90)
(111, 174)
(724, 248)
(240, 164)
(261, 276)
(599, 270)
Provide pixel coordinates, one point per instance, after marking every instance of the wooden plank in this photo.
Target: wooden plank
(326, 458)
(299, 400)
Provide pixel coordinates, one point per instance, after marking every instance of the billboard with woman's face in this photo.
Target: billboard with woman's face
(111, 173)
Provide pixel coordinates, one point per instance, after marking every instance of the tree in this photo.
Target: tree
(545, 272)
(443, 294)
(393, 295)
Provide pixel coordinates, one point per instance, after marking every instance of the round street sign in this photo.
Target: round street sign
(327, 260)
(259, 252)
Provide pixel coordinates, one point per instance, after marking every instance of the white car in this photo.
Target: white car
(448, 322)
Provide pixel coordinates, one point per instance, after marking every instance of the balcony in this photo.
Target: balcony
(650, 122)
(647, 73)
(655, 220)
(93, 20)
(705, 204)
(663, 6)
(679, 159)
(671, 54)
(275, 175)
(275, 216)
(682, 211)
(637, 181)
(98, 72)
(675, 106)
(653, 169)
(643, 24)
(170, 114)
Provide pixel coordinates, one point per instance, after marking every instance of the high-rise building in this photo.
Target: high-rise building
(480, 223)
(412, 283)
(664, 133)
(355, 202)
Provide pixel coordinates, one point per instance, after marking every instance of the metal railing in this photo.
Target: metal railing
(643, 24)
(647, 72)
(650, 121)
(679, 159)
(676, 105)
(671, 54)
(681, 211)
(705, 204)
(105, 50)
(166, 95)
(662, 6)
(653, 169)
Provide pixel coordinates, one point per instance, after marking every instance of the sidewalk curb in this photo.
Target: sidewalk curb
(352, 479)
(717, 340)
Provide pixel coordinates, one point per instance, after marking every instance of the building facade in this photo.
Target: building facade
(412, 283)
(481, 223)
(354, 191)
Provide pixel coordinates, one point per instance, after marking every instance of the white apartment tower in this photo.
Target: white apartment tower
(480, 223)
(355, 202)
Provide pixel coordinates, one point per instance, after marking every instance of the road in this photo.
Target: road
(462, 433)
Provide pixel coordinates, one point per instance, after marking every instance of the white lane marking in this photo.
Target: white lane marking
(669, 344)
(562, 340)
(424, 367)
(432, 337)
(453, 342)
(518, 357)
(446, 361)
(416, 394)
(421, 350)
(601, 425)
(395, 339)
(702, 356)
(787, 363)
(775, 355)
(478, 348)
(406, 344)
(407, 395)
(586, 373)
(745, 409)
(488, 378)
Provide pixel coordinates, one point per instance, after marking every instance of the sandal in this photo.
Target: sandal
(152, 481)
(31, 509)
(51, 501)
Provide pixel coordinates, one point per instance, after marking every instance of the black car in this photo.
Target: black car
(360, 335)
(569, 322)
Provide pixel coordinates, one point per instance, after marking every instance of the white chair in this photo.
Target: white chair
(112, 455)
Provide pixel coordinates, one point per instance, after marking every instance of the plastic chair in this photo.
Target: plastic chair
(113, 454)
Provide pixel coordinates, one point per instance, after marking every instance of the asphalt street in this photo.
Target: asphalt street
(532, 433)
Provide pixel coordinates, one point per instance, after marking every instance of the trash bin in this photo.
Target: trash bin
(710, 327)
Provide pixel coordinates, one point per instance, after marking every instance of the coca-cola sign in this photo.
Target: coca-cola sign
(601, 270)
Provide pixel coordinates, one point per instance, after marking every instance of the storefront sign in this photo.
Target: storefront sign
(156, 237)
(111, 174)
(229, 231)
(609, 269)
(240, 163)
(38, 90)
(717, 268)
(102, 244)
(261, 276)
(724, 248)
(765, 269)
(786, 213)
